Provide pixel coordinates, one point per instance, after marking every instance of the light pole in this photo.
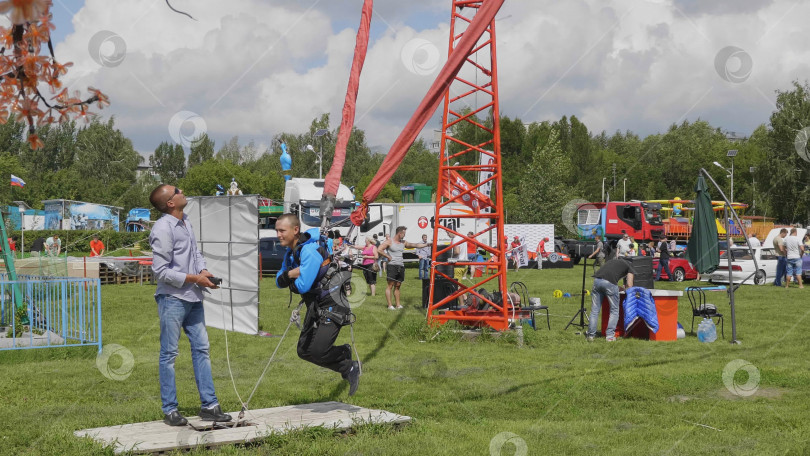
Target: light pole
(731, 175)
(603, 188)
(752, 170)
(624, 183)
(318, 134)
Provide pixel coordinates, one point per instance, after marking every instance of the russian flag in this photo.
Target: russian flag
(16, 181)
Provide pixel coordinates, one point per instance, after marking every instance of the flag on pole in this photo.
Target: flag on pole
(16, 181)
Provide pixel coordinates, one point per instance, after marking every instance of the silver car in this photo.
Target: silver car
(743, 269)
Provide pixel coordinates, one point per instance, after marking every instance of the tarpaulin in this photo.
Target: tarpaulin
(483, 18)
(350, 104)
(473, 199)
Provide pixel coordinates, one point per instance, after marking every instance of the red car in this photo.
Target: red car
(680, 267)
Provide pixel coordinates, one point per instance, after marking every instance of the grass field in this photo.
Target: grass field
(558, 394)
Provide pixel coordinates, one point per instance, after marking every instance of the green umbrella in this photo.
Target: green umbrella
(702, 249)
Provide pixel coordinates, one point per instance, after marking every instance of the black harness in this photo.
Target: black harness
(329, 289)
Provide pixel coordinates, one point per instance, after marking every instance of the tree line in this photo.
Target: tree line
(546, 165)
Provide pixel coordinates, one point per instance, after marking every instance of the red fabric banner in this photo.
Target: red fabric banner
(427, 107)
(457, 185)
(349, 105)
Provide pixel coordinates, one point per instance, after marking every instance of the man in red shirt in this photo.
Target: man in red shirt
(96, 247)
(541, 252)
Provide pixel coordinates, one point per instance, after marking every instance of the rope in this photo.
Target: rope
(294, 318)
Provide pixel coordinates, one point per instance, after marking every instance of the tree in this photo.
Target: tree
(169, 162)
(202, 149)
(544, 188)
(203, 178)
(785, 171)
(230, 151)
(105, 163)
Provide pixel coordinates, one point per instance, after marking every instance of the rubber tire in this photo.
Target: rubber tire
(679, 274)
(760, 277)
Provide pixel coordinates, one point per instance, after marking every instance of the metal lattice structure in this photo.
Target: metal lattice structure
(472, 95)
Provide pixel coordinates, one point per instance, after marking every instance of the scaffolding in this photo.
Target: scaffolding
(473, 91)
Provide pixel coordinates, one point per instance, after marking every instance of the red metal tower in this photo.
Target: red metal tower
(472, 95)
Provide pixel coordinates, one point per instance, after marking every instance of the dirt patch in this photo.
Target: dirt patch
(679, 398)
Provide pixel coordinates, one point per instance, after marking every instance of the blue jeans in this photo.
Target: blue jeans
(664, 264)
(602, 288)
(424, 268)
(781, 268)
(176, 314)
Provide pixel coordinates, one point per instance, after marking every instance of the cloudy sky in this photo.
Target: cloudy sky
(255, 68)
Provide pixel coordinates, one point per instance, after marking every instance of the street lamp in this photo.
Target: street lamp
(625, 189)
(318, 134)
(729, 171)
(603, 188)
(752, 170)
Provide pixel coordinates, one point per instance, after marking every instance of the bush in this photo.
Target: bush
(77, 242)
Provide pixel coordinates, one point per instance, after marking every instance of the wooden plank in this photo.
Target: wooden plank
(155, 436)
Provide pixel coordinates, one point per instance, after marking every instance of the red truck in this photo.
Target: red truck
(639, 219)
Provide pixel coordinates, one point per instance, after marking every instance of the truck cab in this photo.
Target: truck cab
(639, 219)
(303, 197)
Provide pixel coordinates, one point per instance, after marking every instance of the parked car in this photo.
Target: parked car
(680, 267)
(806, 267)
(272, 254)
(742, 266)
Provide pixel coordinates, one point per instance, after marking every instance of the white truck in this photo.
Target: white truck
(419, 218)
(303, 197)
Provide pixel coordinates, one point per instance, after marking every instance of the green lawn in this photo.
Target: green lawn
(559, 394)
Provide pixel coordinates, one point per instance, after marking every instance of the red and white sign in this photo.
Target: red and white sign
(456, 185)
(423, 222)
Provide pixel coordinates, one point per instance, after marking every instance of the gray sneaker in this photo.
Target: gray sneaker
(589, 338)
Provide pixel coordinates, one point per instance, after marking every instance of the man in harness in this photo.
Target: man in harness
(308, 270)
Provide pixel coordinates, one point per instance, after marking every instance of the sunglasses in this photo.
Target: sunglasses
(176, 192)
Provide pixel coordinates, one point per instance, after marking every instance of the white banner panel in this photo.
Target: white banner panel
(532, 234)
(227, 229)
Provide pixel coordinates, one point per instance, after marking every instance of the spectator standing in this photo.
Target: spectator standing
(181, 275)
(807, 244)
(472, 254)
(515, 248)
(370, 256)
(663, 259)
(793, 252)
(424, 254)
(606, 284)
(541, 252)
(599, 252)
(53, 245)
(624, 245)
(392, 249)
(635, 250)
(781, 261)
(96, 247)
(459, 254)
(384, 259)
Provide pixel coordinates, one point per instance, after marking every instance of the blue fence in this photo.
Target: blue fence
(58, 312)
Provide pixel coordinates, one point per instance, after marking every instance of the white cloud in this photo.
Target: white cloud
(256, 68)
